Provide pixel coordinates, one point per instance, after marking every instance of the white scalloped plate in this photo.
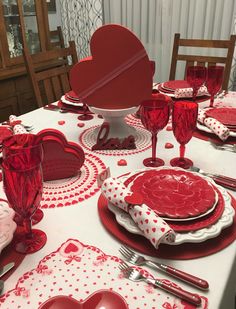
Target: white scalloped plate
(201, 235)
(7, 225)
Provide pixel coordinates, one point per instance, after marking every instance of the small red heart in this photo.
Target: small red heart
(163, 229)
(71, 248)
(61, 122)
(169, 145)
(80, 124)
(134, 199)
(154, 229)
(122, 162)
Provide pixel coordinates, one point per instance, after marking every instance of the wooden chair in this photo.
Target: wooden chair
(56, 38)
(52, 82)
(190, 59)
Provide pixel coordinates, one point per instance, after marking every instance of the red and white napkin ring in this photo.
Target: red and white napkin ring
(153, 227)
(188, 92)
(15, 123)
(214, 125)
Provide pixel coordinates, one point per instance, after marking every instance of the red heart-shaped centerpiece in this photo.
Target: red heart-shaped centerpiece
(119, 73)
(100, 299)
(62, 159)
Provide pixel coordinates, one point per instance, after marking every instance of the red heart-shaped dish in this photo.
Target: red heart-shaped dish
(118, 75)
(62, 159)
(100, 299)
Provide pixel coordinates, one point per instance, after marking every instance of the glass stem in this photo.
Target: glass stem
(27, 227)
(154, 145)
(181, 151)
(212, 101)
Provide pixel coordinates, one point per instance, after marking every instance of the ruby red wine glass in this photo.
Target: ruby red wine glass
(214, 81)
(13, 145)
(23, 185)
(154, 115)
(196, 77)
(184, 119)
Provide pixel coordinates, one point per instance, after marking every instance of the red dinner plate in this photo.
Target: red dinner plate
(173, 193)
(203, 222)
(225, 115)
(172, 85)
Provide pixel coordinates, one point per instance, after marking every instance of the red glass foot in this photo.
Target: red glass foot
(150, 162)
(36, 218)
(181, 162)
(31, 244)
(85, 117)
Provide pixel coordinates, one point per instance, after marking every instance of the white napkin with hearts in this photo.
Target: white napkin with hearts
(18, 128)
(153, 227)
(214, 125)
(188, 92)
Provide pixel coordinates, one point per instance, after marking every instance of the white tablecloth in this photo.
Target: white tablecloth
(83, 222)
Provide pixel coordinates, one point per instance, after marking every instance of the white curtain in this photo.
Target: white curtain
(156, 21)
(80, 18)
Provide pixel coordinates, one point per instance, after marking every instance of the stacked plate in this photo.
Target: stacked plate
(178, 89)
(225, 115)
(193, 205)
(71, 98)
(7, 225)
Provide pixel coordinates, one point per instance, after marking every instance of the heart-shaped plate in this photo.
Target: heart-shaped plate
(100, 299)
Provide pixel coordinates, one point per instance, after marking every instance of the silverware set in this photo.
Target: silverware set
(227, 147)
(134, 274)
(3, 271)
(222, 180)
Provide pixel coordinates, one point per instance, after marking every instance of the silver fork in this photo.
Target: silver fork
(139, 260)
(135, 275)
(228, 147)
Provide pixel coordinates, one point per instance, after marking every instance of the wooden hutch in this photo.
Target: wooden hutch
(16, 96)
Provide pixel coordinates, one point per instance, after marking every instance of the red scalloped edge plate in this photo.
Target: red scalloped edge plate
(173, 193)
(225, 115)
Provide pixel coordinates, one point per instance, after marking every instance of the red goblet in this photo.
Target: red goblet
(23, 185)
(196, 76)
(13, 145)
(154, 115)
(184, 119)
(214, 81)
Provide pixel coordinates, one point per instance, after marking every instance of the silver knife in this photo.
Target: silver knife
(6, 268)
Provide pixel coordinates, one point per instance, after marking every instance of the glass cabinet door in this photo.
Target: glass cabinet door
(12, 23)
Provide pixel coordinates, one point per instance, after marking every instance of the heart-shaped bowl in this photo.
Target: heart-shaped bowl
(102, 299)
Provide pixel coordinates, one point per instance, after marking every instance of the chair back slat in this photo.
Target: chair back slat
(215, 46)
(53, 75)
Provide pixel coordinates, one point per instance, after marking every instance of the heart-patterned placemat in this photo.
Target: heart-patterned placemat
(78, 270)
(70, 191)
(142, 141)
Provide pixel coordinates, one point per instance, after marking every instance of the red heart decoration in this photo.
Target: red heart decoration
(71, 248)
(62, 159)
(134, 199)
(100, 299)
(119, 73)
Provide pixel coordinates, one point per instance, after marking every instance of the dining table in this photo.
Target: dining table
(81, 255)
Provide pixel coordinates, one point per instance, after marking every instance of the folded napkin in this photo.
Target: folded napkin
(188, 92)
(153, 227)
(214, 125)
(15, 123)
